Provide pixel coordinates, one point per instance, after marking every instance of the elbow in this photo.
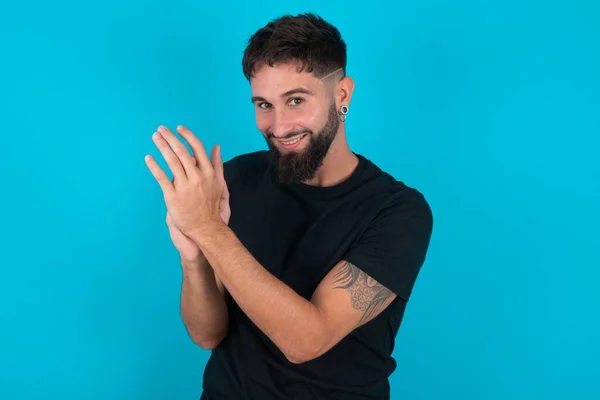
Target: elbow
(298, 358)
(308, 350)
(208, 343)
(301, 357)
(310, 343)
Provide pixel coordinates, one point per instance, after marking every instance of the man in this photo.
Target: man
(298, 261)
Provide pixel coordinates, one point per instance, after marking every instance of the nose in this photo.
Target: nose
(282, 124)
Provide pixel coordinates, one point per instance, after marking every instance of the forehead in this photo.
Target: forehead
(281, 78)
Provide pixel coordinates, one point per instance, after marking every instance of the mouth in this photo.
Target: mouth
(290, 144)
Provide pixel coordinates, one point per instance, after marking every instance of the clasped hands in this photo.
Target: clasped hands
(195, 196)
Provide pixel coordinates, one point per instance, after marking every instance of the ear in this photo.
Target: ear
(343, 92)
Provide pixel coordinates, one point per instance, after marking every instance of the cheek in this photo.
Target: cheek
(314, 119)
(264, 121)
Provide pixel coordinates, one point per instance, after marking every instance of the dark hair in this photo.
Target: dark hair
(305, 39)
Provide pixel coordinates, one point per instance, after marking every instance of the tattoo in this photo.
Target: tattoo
(366, 294)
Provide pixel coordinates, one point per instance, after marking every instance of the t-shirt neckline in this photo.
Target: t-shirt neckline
(339, 188)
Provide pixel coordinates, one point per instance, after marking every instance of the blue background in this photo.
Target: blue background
(491, 109)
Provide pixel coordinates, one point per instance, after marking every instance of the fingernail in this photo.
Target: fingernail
(161, 128)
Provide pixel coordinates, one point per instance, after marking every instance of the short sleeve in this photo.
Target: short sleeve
(393, 248)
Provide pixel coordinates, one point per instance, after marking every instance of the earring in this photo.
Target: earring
(343, 113)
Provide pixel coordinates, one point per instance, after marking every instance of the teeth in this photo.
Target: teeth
(290, 142)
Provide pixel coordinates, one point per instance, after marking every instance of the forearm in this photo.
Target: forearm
(292, 322)
(203, 307)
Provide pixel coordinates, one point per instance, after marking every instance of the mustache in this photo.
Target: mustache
(289, 135)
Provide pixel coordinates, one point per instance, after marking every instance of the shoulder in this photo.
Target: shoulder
(394, 243)
(404, 219)
(397, 200)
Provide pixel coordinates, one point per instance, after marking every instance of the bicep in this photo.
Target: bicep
(392, 250)
(348, 298)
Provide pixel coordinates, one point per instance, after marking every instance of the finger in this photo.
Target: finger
(197, 147)
(159, 175)
(187, 160)
(217, 162)
(195, 163)
(170, 157)
(225, 193)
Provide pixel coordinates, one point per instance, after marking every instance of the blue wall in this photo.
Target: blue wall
(492, 110)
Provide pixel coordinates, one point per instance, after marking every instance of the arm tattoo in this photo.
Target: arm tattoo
(366, 293)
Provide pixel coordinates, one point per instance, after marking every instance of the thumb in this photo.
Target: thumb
(225, 193)
(217, 162)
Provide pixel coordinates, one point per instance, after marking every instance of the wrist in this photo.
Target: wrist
(209, 231)
(193, 264)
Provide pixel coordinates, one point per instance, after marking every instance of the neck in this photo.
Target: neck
(339, 163)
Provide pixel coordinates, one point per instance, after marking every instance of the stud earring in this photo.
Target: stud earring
(343, 113)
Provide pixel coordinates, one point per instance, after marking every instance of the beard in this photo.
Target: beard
(297, 167)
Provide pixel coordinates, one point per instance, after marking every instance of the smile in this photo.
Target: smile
(292, 143)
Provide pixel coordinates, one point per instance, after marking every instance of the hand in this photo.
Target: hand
(194, 198)
(187, 248)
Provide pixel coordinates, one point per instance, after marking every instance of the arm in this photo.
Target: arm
(203, 307)
(391, 250)
(302, 329)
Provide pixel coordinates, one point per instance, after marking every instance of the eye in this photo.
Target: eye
(264, 105)
(296, 101)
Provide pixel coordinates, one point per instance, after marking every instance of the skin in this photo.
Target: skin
(281, 107)
(202, 305)
(347, 297)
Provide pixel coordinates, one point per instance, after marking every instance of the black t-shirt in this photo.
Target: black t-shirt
(299, 233)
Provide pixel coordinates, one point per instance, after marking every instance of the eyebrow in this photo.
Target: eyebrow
(286, 94)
